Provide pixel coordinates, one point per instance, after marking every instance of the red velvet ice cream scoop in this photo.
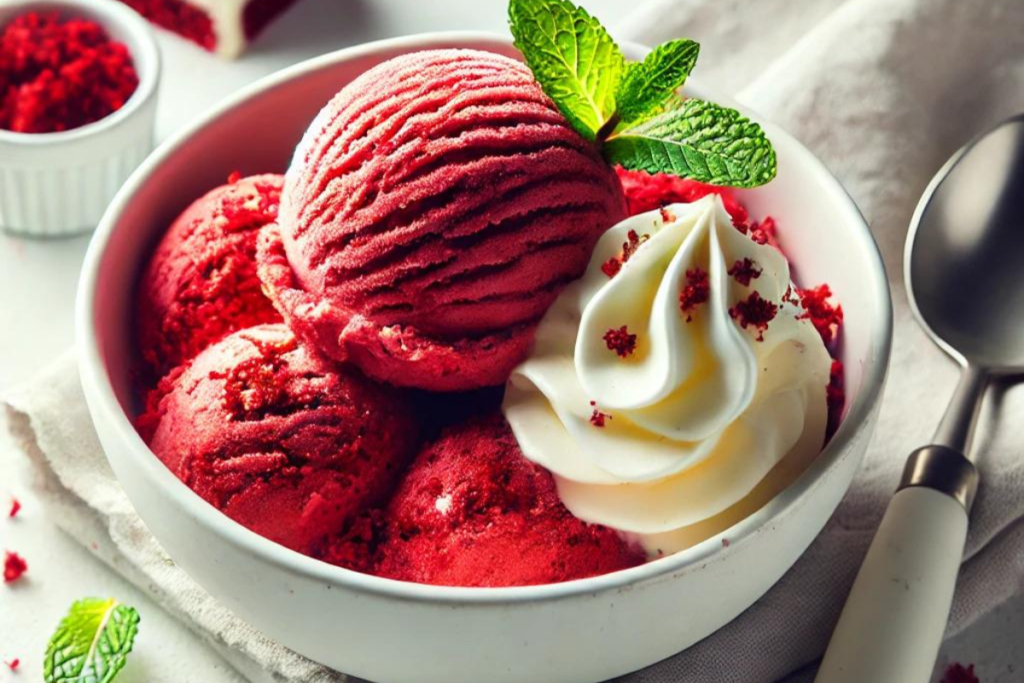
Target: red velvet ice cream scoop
(472, 511)
(281, 441)
(434, 210)
(200, 283)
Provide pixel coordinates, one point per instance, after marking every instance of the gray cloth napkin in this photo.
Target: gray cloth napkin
(883, 91)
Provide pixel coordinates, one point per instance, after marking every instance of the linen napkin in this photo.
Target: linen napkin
(883, 91)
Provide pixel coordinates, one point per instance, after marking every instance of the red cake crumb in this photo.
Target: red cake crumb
(13, 664)
(756, 312)
(745, 270)
(620, 341)
(14, 566)
(764, 232)
(645, 192)
(234, 177)
(15, 508)
(473, 511)
(612, 266)
(598, 419)
(825, 316)
(695, 292)
(58, 75)
(958, 673)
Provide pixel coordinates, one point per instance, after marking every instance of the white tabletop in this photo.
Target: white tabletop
(37, 289)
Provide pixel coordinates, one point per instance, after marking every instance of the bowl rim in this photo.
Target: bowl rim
(105, 406)
(145, 50)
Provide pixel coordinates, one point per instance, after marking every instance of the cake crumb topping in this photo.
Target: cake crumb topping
(58, 74)
(745, 270)
(696, 291)
(597, 418)
(620, 341)
(754, 311)
(612, 266)
(825, 316)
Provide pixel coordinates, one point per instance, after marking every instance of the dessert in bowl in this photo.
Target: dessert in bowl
(582, 629)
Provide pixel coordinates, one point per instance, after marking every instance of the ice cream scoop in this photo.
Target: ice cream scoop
(432, 213)
(472, 511)
(200, 283)
(278, 439)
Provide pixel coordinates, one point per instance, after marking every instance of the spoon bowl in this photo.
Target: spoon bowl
(965, 252)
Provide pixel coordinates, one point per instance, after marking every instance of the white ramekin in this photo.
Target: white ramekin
(54, 184)
(383, 630)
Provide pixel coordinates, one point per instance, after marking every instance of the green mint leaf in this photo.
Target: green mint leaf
(573, 58)
(699, 140)
(648, 86)
(91, 643)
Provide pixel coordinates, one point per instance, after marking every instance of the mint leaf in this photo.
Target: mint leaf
(649, 85)
(573, 58)
(699, 140)
(91, 643)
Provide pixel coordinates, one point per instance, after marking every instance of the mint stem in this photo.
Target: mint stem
(607, 129)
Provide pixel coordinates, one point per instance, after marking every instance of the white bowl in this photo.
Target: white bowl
(580, 631)
(54, 184)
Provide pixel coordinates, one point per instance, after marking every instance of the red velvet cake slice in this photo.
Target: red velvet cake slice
(224, 27)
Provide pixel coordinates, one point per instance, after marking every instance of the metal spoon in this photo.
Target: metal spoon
(965, 277)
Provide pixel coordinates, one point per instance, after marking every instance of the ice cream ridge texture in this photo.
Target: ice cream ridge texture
(433, 212)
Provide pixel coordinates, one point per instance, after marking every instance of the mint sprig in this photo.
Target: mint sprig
(699, 140)
(91, 644)
(632, 110)
(649, 85)
(573, 58)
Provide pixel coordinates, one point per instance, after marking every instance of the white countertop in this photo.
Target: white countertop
(37, 289)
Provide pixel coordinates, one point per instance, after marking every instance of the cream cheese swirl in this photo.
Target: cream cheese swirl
(658, 434)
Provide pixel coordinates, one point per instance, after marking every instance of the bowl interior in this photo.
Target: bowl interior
(257, 130)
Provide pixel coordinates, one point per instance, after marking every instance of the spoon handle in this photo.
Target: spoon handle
(892, 625)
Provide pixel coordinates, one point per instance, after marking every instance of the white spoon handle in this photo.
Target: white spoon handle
(892, 625)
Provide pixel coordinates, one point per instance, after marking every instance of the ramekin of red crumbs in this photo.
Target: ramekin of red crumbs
(77, 109)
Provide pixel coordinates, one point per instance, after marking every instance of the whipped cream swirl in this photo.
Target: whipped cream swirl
(663, 434)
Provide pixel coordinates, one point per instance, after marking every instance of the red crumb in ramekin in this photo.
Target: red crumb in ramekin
(57, 74)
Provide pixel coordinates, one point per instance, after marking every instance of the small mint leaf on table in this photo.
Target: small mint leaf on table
(576, 62)
(699, 140)
(92, 642)
(648, 87)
